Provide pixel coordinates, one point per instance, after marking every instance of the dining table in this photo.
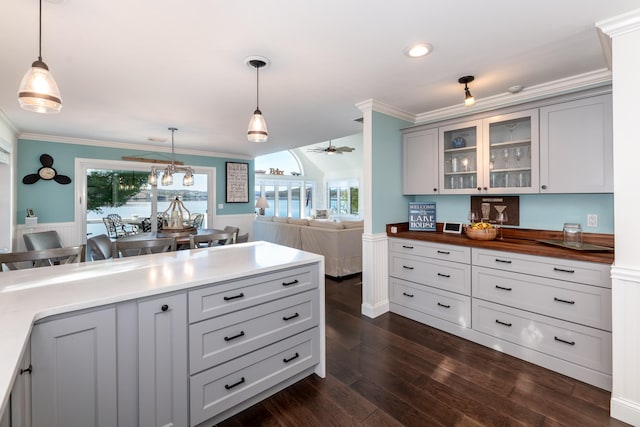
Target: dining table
(182, 238)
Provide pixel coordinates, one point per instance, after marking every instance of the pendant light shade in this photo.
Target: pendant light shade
(257, 131)
(38, 90)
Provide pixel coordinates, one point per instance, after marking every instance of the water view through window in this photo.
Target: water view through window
(127, 194)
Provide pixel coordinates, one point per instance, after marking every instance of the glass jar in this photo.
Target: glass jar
(572, 234)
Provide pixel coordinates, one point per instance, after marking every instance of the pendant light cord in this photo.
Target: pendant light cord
(258, 87)
(40, 33)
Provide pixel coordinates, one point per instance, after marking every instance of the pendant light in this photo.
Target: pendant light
(167, 174)
(468, 98)
(257, 131)
(38, 90)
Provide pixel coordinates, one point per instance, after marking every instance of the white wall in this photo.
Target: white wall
(625, 396)
(8, 144)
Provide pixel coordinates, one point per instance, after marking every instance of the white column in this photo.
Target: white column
(624, 31)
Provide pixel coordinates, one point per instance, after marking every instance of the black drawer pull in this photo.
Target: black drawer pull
(241, 334)
(563, 270)
(293, 316)
(229, 387)
(443, 305)
(407, 247)
(290, 283)
(503, 323)
(565, 341)
(444, 252)
(407, 267)
(505, 261)
(503, 288)
(164, 307)
(444, 275)
(240, 295)
(563, 300)
(407, 295)
(295, 356)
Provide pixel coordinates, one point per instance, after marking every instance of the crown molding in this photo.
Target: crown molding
(584, 81)
(621, 24)
(387, 109)
(127, 146)
(8, 140)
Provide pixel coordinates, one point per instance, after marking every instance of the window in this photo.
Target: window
(287, 194)
(343, 197)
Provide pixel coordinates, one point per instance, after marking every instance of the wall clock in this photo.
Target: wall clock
(46, 172)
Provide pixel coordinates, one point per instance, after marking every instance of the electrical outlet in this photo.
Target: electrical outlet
(221, 206)
(592, 220)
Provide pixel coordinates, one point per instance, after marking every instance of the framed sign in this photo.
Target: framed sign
(422, 216)
(237, 183)
(489, 206)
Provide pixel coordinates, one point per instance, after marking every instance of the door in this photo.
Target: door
(74, 371)
(162, 361)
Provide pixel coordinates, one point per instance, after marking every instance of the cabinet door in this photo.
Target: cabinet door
(74, 371)
(162, 367)
(461, 156)
(510, 153)
(576, 146)
(420, 162)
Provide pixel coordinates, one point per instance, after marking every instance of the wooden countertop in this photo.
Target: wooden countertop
(515, 240)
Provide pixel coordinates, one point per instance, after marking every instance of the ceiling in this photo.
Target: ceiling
(128, 70)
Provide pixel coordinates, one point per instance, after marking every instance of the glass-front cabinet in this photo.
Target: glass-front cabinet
(497, 155)
(461, 153)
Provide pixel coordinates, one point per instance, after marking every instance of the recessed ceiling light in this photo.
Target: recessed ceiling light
(418, 50)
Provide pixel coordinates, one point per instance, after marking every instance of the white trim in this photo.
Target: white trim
(625, 410)
(389, 110)
(628, 274)
(621, 24)
(571, 84)
(82, 164)
(375, 274)
(127, 146)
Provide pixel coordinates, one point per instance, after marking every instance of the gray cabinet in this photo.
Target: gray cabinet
(162, 361)
(74, 370)
(420, 162)
(18, 410)
(576, 146)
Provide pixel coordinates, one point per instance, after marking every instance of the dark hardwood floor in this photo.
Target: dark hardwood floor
(392, 371)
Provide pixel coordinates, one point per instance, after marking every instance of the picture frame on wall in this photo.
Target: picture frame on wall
(237, 182)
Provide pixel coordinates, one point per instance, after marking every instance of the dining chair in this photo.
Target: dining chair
(126, 248)
(230, 229)
(42, 258)
(42, 240)
(196, 220)
(101, 247)
(243, 238)
(121, 229)
(146, 225)
(209, 240)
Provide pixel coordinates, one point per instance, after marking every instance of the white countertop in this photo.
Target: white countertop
(32, 294)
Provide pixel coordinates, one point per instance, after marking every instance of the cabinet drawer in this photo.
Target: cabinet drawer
(582, 345)
(450, 276)
(215, 341)
(430, 250)
(225, 386)
(584, 304)
(590, 273)
(219, 299)
(444, 305)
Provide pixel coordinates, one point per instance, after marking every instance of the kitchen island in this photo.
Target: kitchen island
(253, 275)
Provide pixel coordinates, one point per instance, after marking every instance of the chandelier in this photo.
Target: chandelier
(167, 175)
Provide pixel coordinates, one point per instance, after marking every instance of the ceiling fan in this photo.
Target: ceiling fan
(332, 149)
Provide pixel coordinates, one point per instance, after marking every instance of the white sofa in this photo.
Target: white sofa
(339, 242)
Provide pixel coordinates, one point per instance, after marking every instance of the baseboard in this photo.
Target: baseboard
(376, 310)
(625, 410)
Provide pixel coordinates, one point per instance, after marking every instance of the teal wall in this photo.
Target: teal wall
(537, 211)
(387, 200)
(53, 202)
